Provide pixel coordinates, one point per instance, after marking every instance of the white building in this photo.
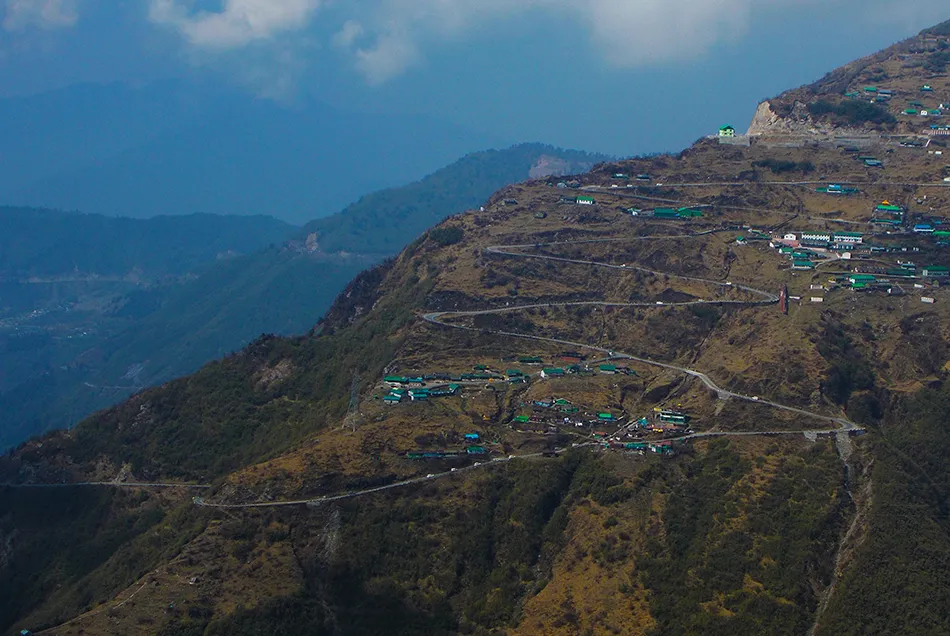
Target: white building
(851, 238)
(816, 236)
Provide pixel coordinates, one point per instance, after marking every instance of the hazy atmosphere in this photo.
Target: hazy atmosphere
(615, 76)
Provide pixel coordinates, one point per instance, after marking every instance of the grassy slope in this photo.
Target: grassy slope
(727, 537)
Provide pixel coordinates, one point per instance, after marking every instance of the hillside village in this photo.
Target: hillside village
(670, 395)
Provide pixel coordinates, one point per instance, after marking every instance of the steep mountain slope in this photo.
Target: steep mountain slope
(181, 148)
(899, 90)
(609, 404)
(151, 333)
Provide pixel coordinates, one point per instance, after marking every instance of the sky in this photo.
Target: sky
(617, 76)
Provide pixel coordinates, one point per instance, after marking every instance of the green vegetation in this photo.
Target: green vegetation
(899, 582)
(850, 371)
(445, 236)
(779, 166)
(755, 557)
(71, 548)
(384, 222)
(851, 112)
(937, 62)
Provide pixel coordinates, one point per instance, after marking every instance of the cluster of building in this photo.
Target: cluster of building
(472, 448)
(660, 448)
(837, 189)
(547, 416)
(675, 214)
(421, 388)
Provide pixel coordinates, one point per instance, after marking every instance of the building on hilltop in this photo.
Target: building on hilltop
(727, 131)
(817, 237)
(849, 238)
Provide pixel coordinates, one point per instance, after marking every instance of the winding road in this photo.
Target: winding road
(842, 426)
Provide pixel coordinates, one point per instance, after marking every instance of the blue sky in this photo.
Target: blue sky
(619, 76)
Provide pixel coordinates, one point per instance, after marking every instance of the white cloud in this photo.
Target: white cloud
(348, 34)
(43, 14)
(237, 24)
(384, 38)
(628, 33)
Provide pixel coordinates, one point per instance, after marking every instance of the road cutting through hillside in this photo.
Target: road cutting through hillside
(843, 427)
(767, 298)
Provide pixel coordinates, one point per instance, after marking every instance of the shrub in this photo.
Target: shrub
(446, 235)
(851, 112)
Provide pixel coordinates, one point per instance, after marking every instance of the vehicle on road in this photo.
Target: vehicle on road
(755, 397)
(430, 476)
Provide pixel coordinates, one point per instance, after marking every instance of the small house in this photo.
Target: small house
(606, 417)
(803, 265)
(928, 300)
(392, 400)
(608, 369)
(585, 201)
(727, 131)
(474, 437)
(935, 271)
(476, 450)
(857, 279)
(552, 373)
(924, 228)
(926, 88)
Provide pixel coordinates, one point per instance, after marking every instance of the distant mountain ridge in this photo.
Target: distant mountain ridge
(41, 242)
(176, 305)
(179, 148)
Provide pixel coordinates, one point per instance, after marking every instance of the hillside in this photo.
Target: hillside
(153, 302)
(690, 394)
(899, 90)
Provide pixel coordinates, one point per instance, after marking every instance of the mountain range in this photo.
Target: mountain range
(701, 393)
(177, 147)
(96, 308)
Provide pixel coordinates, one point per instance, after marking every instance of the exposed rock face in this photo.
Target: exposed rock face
(763, 119)
(798, 122)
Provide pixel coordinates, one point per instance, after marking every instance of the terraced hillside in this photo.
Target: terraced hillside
(692, 394)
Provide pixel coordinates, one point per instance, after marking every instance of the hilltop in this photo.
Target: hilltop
(898, 90)
(700, 393)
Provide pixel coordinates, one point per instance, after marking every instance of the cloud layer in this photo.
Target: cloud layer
(386, 37)
(238, 22)
(42, 14)
(383, 38)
